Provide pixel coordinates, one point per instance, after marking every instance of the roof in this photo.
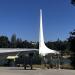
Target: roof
(8, 50)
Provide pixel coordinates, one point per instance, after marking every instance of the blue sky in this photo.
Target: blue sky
(22, 18)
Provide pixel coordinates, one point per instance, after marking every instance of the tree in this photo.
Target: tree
(71, 40)
(26, 44)
(4, 42)
(73, 2)
(13, 41)
(57, 45)
(19, 43)
(37, 45)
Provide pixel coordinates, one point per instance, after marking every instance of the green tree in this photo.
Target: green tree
(4, 42)
(26, 44)
(71, 40)
(13, 41)
(19, 43)
(37, 45)
(73, 2)
(57, 45)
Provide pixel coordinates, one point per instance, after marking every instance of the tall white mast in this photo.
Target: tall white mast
(43, 50)
(41, 36)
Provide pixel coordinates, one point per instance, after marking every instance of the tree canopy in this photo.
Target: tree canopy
(73, 2)
(71, 40)
(19, 43)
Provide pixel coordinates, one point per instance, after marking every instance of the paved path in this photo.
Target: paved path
(18, 71)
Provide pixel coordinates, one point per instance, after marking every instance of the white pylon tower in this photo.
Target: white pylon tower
(43, 49)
